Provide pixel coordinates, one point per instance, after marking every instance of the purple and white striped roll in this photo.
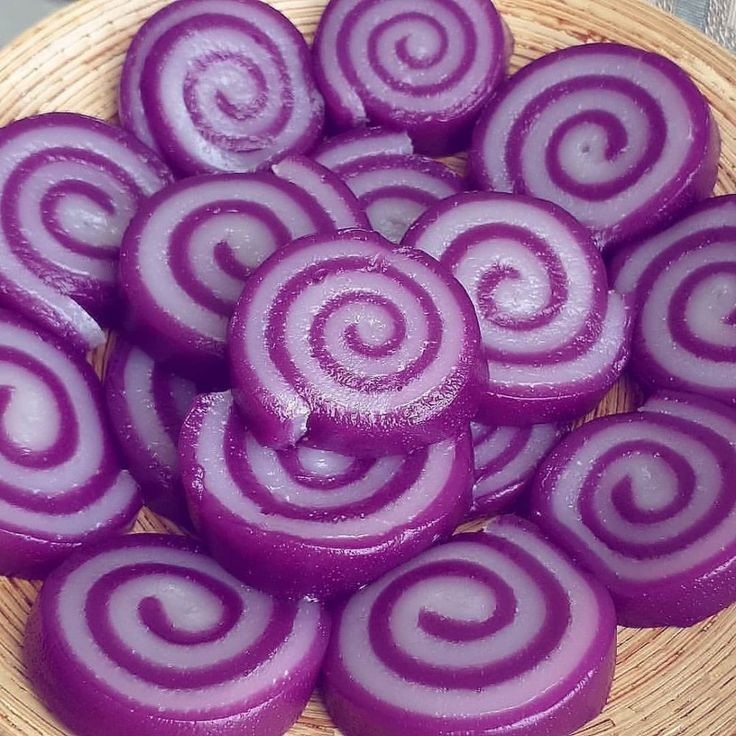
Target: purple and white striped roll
(683, 281)
(330, 191)
(505, 461)
(62, 484)
(190, 248)
(620, 137)
(393, 185)
(426, 68)
(149, 636)
(220, 86)
(309, 521)
(357, 345)
(493, 633)
(147, 405)
(69, 185)
(554, 337)
(646, 502)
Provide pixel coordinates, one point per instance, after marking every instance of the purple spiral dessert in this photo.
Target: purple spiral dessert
(683, 281)
(309, 521)
(554, 337)
(220, 86)
(646, 501)
(69, 185)
(393, 185)
(357, 345)
(149, 636)
(62, 483)
(619, 137)
(426, 68)
(494, 633)
(190, 248)
(147, 405)
(505, 461)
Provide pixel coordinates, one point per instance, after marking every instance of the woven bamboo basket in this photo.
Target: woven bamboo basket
(668, 682)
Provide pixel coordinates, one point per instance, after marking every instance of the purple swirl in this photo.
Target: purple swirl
(684, 283)
(499, 622)
(426, 68)
(220, 86)
(393, 185)
(69, 186)
(505, 461)
(645, 501)
(619, 137)
(190, 248)
(147, 405)
(358, 345)
(152, 635)
(343, 520)
(554, 337)
(61, 480)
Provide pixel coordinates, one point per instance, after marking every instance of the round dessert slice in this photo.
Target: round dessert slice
(619, 137)
(358, 345)
(310, 521)
(646, 501)
(69, 185)
(505, 461)
(220, 86)
(554, 337)
(494, 633)
(426, 68)
(392, 183)
(683, 282)
(62, 482)
(150, 636)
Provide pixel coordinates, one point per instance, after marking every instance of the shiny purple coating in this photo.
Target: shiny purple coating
(147, 405)
(69, 185)
(357, 345)
(619, 137)
(311, 521)
(495, 633)
(505, 461)
(426, 68)
(646, 501)
(683, 280)
(392, 183)
(62, 481)
(220, 86)
(150, 636)
(554, 337)
(191, 247)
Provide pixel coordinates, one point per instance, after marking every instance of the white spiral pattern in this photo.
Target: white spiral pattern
(62, 483)
(163, 640)
(497, 621)
(346, 520)
(554, 337)
(367, 348)
(220, 86)
(393, 185)
(619, 137)
(683, 281)
(645, 501)
(69, 186)
(425, 68)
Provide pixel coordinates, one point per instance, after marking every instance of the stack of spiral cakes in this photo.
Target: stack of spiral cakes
(335, 356)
